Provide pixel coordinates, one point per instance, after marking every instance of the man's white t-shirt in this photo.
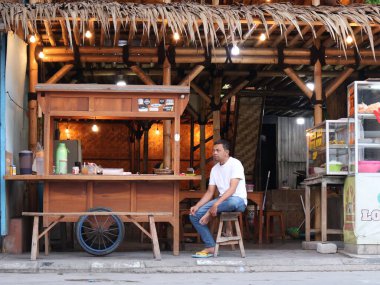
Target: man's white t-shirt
(221, 176)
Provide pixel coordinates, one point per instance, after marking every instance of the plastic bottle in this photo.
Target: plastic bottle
(39, 160)
(61, 159)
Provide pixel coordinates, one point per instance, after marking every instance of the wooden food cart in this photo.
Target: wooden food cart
(120, 193)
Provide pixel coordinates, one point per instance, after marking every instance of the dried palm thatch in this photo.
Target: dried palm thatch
(199, 23)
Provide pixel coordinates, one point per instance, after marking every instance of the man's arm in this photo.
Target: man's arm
(231, 190)
(206, 197)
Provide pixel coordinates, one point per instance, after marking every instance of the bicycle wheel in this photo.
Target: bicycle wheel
(99, 235)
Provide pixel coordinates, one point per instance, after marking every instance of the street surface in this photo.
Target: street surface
(267, 278)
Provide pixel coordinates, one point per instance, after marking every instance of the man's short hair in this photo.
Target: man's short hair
(225, 143)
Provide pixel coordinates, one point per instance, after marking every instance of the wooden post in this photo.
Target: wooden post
(318, 91)
(167, 123)
(60, 73)
(217, 87)
(202, 144)
(146, 141)
(32, 105)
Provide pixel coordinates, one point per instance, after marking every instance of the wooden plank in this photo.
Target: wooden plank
(307, 213)
(80, 177)
(324, 211)
(74, 214)
(60, 73)
(34, 250)
(110, 88)
(153, 232)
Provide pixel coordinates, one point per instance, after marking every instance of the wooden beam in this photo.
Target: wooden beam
(32, 104)
(193, 73)
(217, 83)
(283, 36)
(166, 80)
(338, 81)
(60, 73)
(192, 111)
(318, 115)
(91, 28)
(237, 88)
(299, 36)
(142, 75)
(200, 92)
(49, 33)
(311, 40)
(102, 37)
(298, 81)
(65, 36)
(270, 31)
(117, 34)
(76, 33)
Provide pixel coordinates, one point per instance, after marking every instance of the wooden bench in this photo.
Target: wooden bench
(127, 216)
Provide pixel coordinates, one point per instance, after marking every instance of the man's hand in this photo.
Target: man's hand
(193, 210)
(213, 210)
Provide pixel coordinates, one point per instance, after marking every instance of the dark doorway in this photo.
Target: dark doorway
(269, 155)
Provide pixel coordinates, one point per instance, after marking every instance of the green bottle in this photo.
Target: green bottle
(61, 159)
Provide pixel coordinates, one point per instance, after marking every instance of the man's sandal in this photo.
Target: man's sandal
(202, 254)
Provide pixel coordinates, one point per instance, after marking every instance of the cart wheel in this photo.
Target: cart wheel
(99, 235)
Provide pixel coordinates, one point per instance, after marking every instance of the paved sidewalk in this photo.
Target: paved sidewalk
(278, 257)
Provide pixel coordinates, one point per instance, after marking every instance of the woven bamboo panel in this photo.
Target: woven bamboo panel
(247, 132)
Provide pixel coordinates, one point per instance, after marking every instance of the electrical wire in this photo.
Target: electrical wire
(10, 97)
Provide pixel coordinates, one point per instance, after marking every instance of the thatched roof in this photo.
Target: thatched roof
(201, 24)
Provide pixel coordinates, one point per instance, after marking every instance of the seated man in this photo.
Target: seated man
(228, 177)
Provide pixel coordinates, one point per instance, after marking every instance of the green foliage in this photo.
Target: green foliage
(373, 2)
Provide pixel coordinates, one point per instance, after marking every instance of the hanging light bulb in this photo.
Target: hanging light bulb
(95, 128)
(121, 83)
(176, 36)
(349, 40)
(262, 37)
(310, 85)
(157, 130)
(32, 39)
(235, 50)
(41, 55)
(88, 34)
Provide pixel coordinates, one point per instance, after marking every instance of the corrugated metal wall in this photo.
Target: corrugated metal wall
(291, 149)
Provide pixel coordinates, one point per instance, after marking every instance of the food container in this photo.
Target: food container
(368, 166)
(335, 166)
(163, 171)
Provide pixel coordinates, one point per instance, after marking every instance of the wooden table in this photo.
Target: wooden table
(121, 193)
(321, 183)
(255, 197)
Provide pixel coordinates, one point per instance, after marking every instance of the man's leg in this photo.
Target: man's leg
(203, 230)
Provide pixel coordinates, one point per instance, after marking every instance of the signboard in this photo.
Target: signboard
(362, 209)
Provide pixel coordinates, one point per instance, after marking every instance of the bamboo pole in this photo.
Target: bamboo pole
(298, 81)
(76, 33)
(318, 92)
(145, 149)
(338, 81)
(142, 75)
(200, 92)
(49, 33)
(60, 73)
(91, 28)
(194, 52)
(216, 90)
(32, 104)
(193, 73)
(202, 144)
(234, 91)
(167, 123)
(65, 36)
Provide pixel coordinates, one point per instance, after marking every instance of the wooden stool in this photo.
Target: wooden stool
(183, 234)
(232, 240)
(270, 215)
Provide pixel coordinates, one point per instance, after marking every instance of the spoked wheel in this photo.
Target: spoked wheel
(99, 235)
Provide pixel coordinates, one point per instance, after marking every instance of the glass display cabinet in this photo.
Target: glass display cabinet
(328, 148)
(361, 190)
(364, 108)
